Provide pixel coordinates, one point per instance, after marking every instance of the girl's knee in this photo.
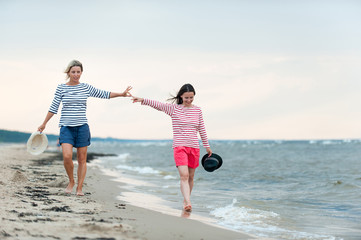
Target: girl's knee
(190, 178)
(184, 177)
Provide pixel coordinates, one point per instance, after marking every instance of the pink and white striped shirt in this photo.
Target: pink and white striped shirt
(186, 123)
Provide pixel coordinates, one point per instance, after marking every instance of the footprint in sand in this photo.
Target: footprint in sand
(19, 177)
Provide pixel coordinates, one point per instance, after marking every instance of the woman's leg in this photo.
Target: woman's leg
(68, 165)
(81, 155)
(184, 186)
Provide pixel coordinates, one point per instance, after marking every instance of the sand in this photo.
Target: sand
(34, 206)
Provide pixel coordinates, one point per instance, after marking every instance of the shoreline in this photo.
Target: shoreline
(34, 205)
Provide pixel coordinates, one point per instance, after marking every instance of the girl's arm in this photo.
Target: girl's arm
(164, 107)
(137, 99)
(203, 134)
(47, 118)
(209, 151)
(126, 93)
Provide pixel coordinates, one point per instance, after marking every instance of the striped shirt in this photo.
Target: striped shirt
(74, 99)
(186, 123)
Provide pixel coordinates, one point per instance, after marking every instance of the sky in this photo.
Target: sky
(262, 69)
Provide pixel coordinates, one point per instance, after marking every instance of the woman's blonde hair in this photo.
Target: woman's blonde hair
(73, 63)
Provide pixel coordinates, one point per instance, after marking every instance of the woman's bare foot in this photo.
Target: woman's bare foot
(79, 192)
(69, 188)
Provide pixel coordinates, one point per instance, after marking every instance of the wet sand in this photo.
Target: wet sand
(34, 206)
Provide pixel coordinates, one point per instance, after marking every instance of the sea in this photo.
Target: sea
(307, 189)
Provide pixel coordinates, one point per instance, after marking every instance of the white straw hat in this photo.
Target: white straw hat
(37, 143)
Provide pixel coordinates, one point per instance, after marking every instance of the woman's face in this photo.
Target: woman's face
(187, 98)
(75, 74)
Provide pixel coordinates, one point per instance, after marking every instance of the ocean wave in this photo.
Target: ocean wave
(118, 158)
(123, 156)
(259, 222)
(169, 177)
(233, 214)
(326, 142)
(334, 142)
(141, 170)
(150, 143)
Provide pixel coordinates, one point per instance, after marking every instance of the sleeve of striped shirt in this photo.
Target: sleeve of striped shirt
(56, 101)
(97, 93)
(164, 107)
(202, 130)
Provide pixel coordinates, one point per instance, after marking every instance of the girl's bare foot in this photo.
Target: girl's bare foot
(69, 188)
(188, 208)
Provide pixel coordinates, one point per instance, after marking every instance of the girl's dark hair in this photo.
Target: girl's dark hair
(185, 88)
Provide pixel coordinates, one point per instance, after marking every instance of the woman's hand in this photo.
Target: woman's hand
(41, 127)
(126, 93)
(49, 115)
(209, 151)
(137, 99)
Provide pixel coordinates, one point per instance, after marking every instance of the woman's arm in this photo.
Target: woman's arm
(47, 118)
(53, 108)
(126, 93)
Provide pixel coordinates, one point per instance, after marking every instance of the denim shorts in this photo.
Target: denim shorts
(78, 136)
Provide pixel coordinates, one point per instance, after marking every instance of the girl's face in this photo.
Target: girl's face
(187, 98)
(75, 74)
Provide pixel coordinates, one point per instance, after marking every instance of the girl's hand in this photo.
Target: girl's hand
(126, 93)
(137, 99)
(209, 151)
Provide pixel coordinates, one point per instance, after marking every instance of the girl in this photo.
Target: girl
(74, 129)
(187, 120)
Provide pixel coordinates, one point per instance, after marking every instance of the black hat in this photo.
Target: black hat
(211, 163)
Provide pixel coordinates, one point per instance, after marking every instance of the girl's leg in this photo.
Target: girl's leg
(81, 155)
(191, 172)
(184, 185)
(68, 165)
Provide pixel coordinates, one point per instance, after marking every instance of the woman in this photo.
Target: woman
(187, 120)
(74, 129)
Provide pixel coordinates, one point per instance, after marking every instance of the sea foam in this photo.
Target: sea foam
(258, 221)
(141, 170)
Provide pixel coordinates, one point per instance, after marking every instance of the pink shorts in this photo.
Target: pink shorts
(186, 156)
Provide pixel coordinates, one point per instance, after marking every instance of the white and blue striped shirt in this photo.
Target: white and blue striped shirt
(74, 99)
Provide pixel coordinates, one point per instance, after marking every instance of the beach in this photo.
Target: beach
(34, 205)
